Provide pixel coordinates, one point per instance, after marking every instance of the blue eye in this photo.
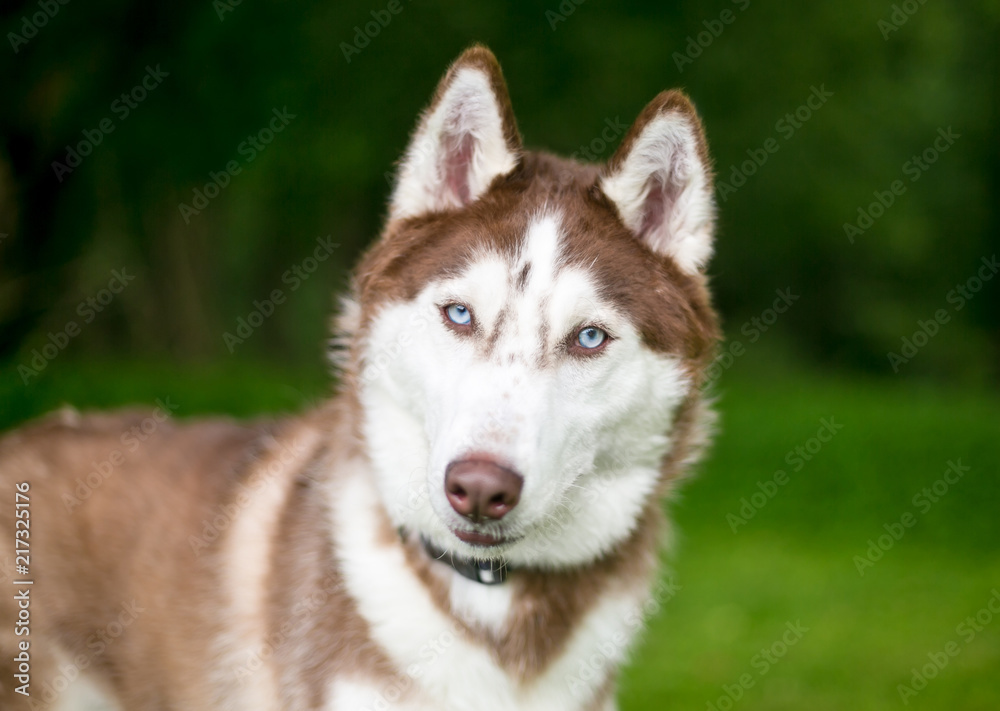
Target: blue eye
(591, 337)
(458, 314)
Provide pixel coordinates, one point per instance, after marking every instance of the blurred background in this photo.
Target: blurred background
(166, 170)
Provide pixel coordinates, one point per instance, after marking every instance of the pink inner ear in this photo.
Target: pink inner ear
(655, 206)
(664, 188)
(457, 161)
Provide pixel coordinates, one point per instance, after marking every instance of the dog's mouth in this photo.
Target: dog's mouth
(476, 538)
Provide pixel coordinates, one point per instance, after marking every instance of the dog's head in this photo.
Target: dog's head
(528, 331)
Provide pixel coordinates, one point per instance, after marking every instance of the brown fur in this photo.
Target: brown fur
(672, 308)
(141, 533)
(127, 541)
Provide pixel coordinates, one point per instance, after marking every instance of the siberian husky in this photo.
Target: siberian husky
(471, 522)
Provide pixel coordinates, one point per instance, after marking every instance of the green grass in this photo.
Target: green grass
(793, 561)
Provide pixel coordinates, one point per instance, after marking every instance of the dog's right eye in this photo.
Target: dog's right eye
(458, 314)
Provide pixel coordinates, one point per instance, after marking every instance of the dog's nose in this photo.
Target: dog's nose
(481, 489)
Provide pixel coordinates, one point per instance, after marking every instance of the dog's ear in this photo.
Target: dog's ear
(660, 180)
(465, 139)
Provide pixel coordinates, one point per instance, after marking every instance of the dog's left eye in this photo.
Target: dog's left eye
(458, 314)
(591, 337)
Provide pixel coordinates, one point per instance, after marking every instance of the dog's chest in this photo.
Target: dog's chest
(447, 672)
(437, 664)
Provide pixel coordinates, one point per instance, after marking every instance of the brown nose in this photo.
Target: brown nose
(481, 489)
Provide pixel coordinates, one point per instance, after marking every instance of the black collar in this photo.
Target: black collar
(481, 571)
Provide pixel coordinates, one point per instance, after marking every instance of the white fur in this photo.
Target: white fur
(85, 693)
(468, 109)
(480, 605)
(249, 551)
(667, 149)
(357, 695)
(443, 670)
(587, 434)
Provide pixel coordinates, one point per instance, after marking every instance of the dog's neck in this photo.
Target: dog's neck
(486, 572)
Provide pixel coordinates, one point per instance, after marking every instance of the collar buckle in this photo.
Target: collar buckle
(485, 572)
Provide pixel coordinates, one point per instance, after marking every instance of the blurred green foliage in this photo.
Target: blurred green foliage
(572, 71)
